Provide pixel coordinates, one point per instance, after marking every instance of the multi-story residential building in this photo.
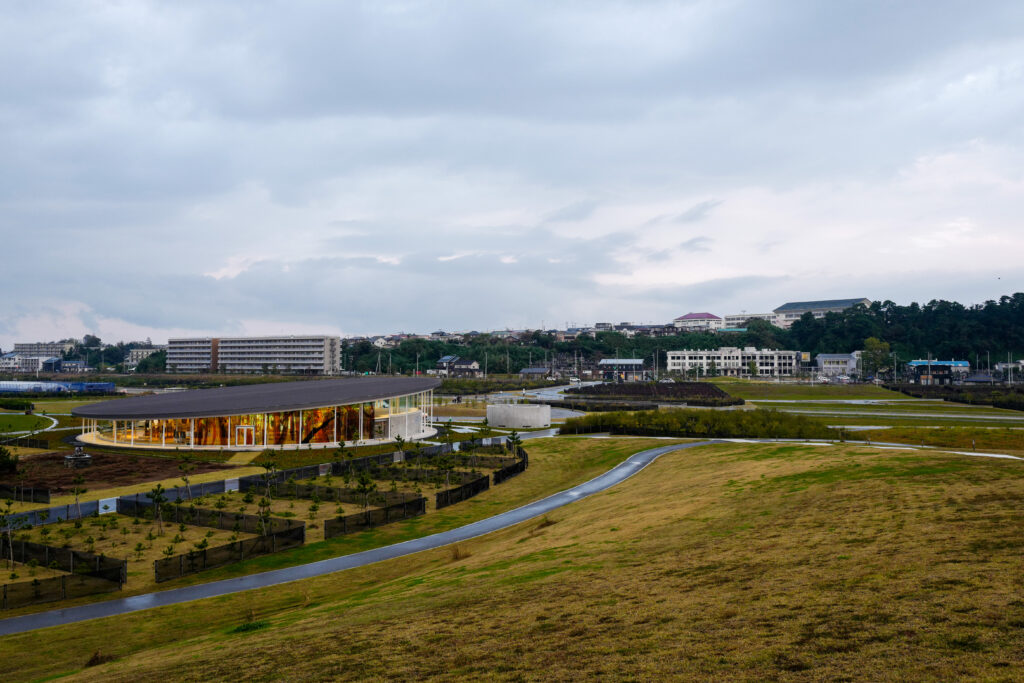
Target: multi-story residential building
(698, 322)
(19, 362)
(136, 356)
(734, 362)
(740, 319)
(48, 349)
(789, 313)
(303, 355)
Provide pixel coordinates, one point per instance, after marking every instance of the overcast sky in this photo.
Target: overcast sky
(233, 168)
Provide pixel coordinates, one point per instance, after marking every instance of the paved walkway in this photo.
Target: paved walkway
(109, 608)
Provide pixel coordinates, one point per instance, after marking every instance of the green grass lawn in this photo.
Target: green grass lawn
(15, 422)
(738, 562)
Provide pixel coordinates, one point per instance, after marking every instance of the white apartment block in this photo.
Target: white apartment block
(740, 319)
(305, 355)
(136, 356)
(47, 349)
(734, 362)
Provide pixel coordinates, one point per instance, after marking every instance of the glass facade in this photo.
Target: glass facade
(350, 423)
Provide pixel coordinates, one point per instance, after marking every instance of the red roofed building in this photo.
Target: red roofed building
(698, 322)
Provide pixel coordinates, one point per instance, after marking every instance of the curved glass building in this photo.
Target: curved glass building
(280, 415)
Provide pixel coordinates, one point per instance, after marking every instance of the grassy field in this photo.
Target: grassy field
(1009, 441)
(752, 562)
(555, 464)
(14, 422)
(749, 389)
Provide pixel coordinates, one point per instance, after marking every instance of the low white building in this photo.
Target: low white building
(740, 319)
(734, 362)
(789, 313)
(837, 364)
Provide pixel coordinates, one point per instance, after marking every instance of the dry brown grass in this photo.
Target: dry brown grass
(750, 562)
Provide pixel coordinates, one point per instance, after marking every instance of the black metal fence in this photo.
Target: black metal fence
(87, 574)
(24, 494)
(198, 560)
(25, 442)
(214, 519)
(460, 493)
(375, 517)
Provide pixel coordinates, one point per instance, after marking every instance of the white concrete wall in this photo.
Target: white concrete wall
(518, 416)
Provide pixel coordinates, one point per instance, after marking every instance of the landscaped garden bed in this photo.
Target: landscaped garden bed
(138, 540)
(702, 394)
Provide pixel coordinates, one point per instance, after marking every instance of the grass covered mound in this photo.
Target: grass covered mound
(765, 424)
(1011, 398)
(693, 393)
(731, 562)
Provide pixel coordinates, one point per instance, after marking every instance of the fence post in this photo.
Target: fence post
(63, 586)
(181, 565)
(5, 596)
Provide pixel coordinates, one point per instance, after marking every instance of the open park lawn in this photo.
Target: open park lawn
(17, 422)
(106, 471)
(734, 561)
(126, 538)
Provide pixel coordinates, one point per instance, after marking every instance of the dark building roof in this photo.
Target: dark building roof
(813, 305)
(256, 398)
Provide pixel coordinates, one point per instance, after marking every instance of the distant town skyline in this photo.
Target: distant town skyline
(216, 169)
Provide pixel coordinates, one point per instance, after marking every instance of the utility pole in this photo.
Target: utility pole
(417, 364)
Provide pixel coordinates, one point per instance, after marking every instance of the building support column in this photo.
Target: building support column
(335, 424)
(302, 415)
(192, 432)
(163, 433)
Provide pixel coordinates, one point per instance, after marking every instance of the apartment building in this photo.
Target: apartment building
(38, 349)
(301, 355)
(136, 356)
(734, 362)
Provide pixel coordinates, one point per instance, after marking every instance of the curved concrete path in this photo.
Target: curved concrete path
(109, 608)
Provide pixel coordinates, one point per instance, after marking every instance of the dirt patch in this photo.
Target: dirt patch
(107, 470)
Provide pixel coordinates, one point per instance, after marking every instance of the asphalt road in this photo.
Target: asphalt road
(109, 608)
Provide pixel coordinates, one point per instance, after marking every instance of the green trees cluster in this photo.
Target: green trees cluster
(946, 329)
(764, 424)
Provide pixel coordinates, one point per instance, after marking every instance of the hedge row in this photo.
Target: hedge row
(692, 393)
(764, 424)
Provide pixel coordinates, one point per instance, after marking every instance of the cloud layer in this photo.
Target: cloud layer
(205, 167)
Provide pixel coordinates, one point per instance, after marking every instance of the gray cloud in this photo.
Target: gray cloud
(698, 211)
(322, 159)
